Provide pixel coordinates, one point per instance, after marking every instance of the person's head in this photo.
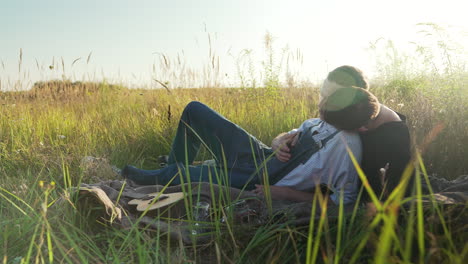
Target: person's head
(349, 108)
(343, 76)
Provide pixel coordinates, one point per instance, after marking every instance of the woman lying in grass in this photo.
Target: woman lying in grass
(318, 155)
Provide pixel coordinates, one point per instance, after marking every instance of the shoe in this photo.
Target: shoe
(116, 170)
(210, 162)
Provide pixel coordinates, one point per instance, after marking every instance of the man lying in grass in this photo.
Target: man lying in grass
(385, 139)
(318, 155)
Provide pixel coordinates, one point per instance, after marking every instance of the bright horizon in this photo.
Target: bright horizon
(126, 38)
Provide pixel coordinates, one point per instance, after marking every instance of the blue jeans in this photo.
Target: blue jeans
(238, 154)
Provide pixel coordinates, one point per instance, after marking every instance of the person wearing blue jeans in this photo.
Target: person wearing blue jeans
(232, 148)
(317, 155)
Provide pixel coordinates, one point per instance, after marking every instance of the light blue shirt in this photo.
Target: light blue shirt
(331, 165)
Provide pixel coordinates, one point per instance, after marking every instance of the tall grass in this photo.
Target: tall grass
(44, 139)
(429, 86)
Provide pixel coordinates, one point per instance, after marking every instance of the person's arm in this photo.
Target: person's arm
(286, 193)
(344, 177)
(282, 145)
(330, 165)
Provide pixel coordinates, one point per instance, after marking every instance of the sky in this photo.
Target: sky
(126, 39)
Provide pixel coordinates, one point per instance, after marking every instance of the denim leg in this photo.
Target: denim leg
(166, 175)
(224, 139)
(177, 174)
(235, 151)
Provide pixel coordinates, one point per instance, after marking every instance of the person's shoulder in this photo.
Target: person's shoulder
(392, 135)
(311, 122)
(314, 120)
(331, 129)
(351, 137)
(349, 133)
(394, 116)
(395, 128)
(344, 141)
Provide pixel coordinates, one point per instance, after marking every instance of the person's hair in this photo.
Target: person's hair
(348, 76)
(349, 108)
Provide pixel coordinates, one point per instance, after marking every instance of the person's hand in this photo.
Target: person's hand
(258, 190)
(282, 145)
(276, 192)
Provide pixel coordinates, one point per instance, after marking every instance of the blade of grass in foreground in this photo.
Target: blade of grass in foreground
(31, 245)
(409, 234)
(50, 249)
(323, 201)
(263, 238)
(387, 234)
(420, 217)
(364, 181)
(340, 229)
(390, 215)
(435, 205)
(14, 204)
(310, 239)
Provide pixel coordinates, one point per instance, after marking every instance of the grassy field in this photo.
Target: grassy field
(46, 132)
(44, 135)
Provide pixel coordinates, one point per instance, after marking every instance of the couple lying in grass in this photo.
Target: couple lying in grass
(299, 161)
